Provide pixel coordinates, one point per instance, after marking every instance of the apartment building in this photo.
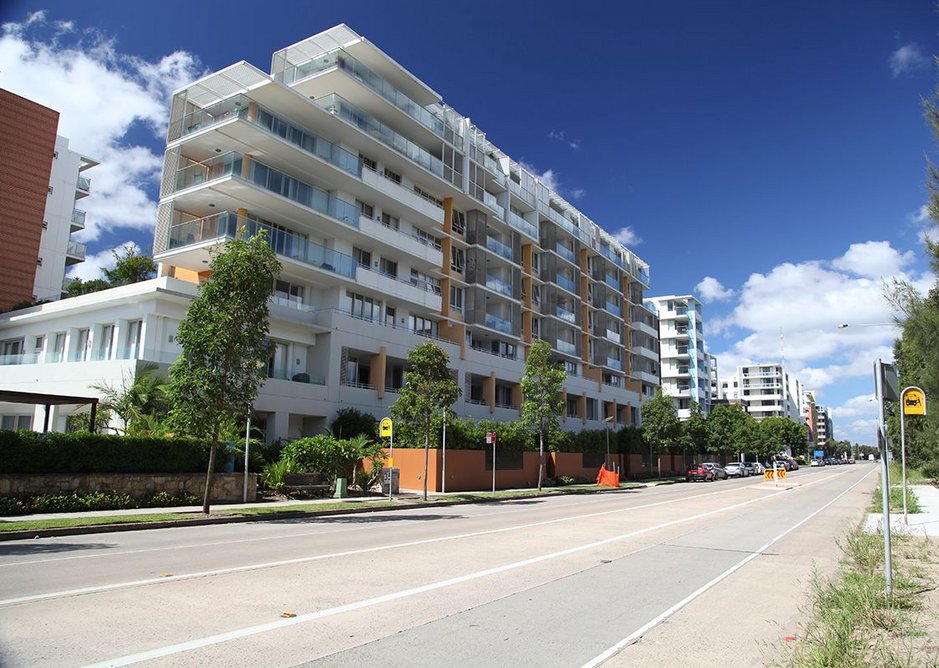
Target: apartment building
(808, 409)
(824, 431)
(684, 366)
(41, 179)
(395, 220)
(766, 390)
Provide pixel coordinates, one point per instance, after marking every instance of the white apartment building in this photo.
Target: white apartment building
(395, 220)
(57, 250)
(685, 368)
(823, 426)
(765, 390)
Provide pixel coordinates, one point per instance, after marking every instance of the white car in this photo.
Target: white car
(734, 470)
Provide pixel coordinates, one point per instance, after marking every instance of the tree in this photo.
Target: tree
(129, 267)
(541, 387)
(728, 429)
(137, 404)
(779, 433)
(694, 431)
(352, 422)
(224, 341)
(78, 287)
(428, 388)
(660, 426)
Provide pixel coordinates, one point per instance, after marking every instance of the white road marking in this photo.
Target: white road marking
(414, 591)
(637, 634)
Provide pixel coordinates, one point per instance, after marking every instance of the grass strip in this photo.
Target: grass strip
(70, 522)
(896, 501)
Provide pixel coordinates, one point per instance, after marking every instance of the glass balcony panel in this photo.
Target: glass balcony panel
(565, 282)
(75, 249)
(83, 183)
(613, 308)
(565, 252)
(499, 324)
(522, 225)
(614, 363)
(566, 347)
(499, 285)
(78, 217)
(564, 314)
(498, 247)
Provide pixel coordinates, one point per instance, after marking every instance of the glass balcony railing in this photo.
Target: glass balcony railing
(499, 285)
(78, 217)
(613, 308)
(225, 225)
(614, 257)
(490, 201)
(564, 314)
(612, 281)
(232, 107)
(566, 347)
(357, 70)
(522, 225)
(565, 282)
(345, 110)
(230, 164)
(499, 248)
(498, 324)
(614, 363)
(521, 192)
(76, 249)
(325, 150)
(83, 184)
(564, 252)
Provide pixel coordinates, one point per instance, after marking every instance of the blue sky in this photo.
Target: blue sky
(767, 157)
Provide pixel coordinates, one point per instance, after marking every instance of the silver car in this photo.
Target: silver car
(735, 470)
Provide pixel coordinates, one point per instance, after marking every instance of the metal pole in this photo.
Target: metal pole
(608, 444)
(247, 448)
(443, 483)
(903, 458)
(493, 465)
(391, 469)
(885, 475)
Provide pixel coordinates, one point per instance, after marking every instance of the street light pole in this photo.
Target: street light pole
(608, 421)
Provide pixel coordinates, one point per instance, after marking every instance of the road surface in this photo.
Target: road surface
(704, 573)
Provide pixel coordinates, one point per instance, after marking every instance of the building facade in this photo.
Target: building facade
(40, 181)
(766, 390)
(685, 368)
(395, 220)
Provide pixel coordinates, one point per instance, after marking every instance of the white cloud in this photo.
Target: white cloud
(861, 405)
(91, 268)
(926, 227)
(627, 236)
(907, 59)
(100, 94)
(710, 289)
(561, 136)
(577, 193)
(792, 313)
(874, 259)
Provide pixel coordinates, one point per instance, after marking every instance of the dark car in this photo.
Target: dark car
(750, 468)
(698, 472)
(719, 472)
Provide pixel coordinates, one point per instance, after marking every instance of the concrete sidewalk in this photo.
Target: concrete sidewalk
(924, 523)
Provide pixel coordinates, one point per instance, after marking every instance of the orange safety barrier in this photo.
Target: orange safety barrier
(607, 478)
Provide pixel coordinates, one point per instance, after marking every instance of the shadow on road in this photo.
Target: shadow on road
(369, 518)
(48, 548)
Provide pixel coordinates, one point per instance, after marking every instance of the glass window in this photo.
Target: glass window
(457, 259)
(389, 268)
(366, 210)
(362, 257)
(132, 343)
(456, 298)
(104, 343)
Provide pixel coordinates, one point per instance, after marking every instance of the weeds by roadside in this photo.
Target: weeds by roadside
(896, 500)
(855, 624)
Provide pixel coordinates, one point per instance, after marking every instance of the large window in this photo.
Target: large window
(423, 326)
(364, 307)
(456, 298)
(105, 343)
(457, 259)
(132, 342)
(389, 268)
(362, 257)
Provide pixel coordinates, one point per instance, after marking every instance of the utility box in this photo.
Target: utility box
(392, 477)
(342, 490)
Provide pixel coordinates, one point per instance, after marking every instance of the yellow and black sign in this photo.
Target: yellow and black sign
(781, 473)
(384, 428)
(768, 474)
(914, 401)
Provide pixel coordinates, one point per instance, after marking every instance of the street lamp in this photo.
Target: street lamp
(845, 325)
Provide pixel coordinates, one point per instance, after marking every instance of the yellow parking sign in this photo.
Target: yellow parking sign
(384, 428)
(914, 401)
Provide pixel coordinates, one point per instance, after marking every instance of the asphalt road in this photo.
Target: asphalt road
(625, 578)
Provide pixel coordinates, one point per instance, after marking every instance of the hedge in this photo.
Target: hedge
(24, 452)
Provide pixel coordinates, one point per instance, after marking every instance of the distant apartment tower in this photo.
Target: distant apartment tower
(40, 181)
(767, 390)
(808, 416)
(823, 425)
(685, 370)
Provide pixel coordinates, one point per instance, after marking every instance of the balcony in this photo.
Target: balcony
(499, 248)
(371, 126)
(566, 347)
(566, 283)
(230, 165)
(225, 225)
(614, 363)
(613, 308)
(83, 184)
(565, 315)
(75, 252)
(562, 221)
(614, 257)
(498, 324)
(499, 285)
(521, 193)
(612, 281)
(564, 252)
(490, 200)
(78, 220)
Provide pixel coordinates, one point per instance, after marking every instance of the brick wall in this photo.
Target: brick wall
(27, 135)
(226, 487)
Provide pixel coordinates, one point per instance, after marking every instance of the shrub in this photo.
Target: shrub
(351, 422)
(329, 455)
(72, 502)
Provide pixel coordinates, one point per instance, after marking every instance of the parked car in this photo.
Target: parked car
(719, 472)
(698, 472)
(750, 468)
(758, 468)
(735, 470)
(814, 462)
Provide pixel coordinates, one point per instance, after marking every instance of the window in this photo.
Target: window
(12, 349)
(82, 347)
(132, 343)
(459, 222)
(277, 362)
(428, 196)
(104, 343)
(421, 280)
(390, 316)
(390, 221)
(289, 291)
(16, 422)
(457, 259)
(39, 343)
(426, 238)
(536, 262)
(363, 307)
(536, 327)
(536, 294)
(362, 257)
(389, 268)
(570, 368)
(456, 298)
(572, 407)
(422, 326)
(58, 350)
(392, 176)
(368, 162)
(591, 409)
(366, 210)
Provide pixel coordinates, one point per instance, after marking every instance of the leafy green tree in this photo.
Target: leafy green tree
(779, 433)
(129, 267)
(660, 426)
(728, 429)
(79, 287)
(331, 456)
(224, 342)
(694, 431)
(541, 387)
(428, 388)
(352, 422)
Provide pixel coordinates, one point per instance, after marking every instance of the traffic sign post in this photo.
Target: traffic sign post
(912, 402)
(386, 430)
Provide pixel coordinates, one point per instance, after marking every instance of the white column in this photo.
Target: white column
(281, 426)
